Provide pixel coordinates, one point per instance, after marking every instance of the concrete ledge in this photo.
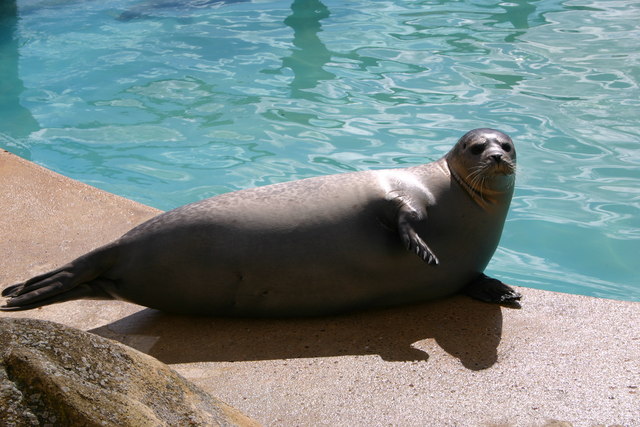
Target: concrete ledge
(458, 362)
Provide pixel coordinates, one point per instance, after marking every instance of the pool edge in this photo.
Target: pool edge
(561, 357)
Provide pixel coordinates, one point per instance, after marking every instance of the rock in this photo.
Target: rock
(51, 374)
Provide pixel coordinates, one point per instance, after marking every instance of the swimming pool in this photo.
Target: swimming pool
(168, 102)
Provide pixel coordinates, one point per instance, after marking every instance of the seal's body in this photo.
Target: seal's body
(310, 247)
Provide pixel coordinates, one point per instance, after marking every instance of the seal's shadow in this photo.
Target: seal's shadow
(466, 329)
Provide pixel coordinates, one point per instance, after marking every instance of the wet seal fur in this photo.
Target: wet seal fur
(315, 246)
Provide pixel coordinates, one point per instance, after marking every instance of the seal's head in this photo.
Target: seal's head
(484, 162)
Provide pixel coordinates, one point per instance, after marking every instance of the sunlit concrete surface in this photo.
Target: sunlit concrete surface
(559, 360)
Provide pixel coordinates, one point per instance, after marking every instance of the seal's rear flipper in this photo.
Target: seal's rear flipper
(76, 280)
(57, 286)
(29, 300)
(487, 289)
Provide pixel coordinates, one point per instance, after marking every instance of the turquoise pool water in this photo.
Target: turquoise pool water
(166, 104)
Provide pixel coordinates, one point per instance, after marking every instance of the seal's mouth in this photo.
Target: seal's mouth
(483, 177)
(497, 165)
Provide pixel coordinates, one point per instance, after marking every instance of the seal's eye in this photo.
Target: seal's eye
(506, 147)
(477, 149)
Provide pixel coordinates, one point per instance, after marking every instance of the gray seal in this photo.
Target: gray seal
(315, 246)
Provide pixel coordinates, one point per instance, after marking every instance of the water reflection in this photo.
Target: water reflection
(15, 120)
(147, 9)
(524, 14)
(521, 14)
(310, 54)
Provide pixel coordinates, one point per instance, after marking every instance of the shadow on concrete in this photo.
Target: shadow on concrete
(466, 329)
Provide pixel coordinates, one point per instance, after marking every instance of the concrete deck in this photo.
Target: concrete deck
(456, 362)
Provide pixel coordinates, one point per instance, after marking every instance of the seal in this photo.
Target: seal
(315, 246)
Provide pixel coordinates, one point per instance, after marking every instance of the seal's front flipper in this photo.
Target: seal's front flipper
(407, 217)
(487, 289)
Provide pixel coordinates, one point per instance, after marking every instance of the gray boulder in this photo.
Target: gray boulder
(51, 374)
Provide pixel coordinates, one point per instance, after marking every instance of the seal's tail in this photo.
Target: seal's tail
(80, 279)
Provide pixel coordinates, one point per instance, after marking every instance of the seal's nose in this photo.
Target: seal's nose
(496, 157)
